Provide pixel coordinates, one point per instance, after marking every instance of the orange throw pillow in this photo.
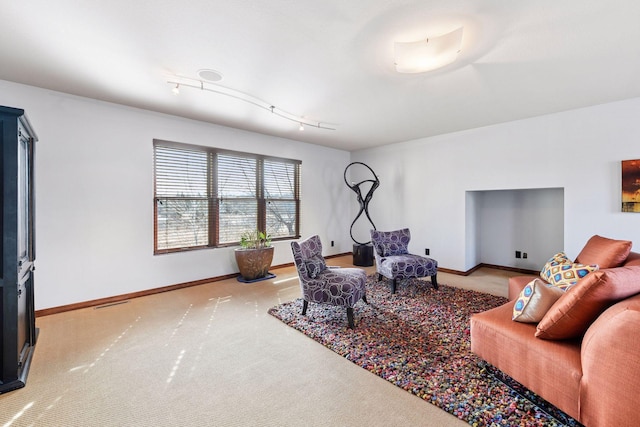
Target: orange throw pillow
(607, 253)
(574, 311)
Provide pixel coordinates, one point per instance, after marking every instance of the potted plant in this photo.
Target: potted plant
(254, 255)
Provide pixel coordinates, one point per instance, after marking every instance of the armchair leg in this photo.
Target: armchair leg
(305, 304)
(434, 281)
(364, 298)
(393, 285)
(350, 317)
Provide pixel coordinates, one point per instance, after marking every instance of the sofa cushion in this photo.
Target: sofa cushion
(534, 301)
(632, 259)
(315, 266)
(574, 311)
(607, 253)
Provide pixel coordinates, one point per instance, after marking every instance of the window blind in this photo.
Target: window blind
(182, 216)
(237, 193)
(281, 193)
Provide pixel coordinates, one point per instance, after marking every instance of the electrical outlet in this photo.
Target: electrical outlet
(332, 243)
(518, 254)
(524, 254)
(426, 251)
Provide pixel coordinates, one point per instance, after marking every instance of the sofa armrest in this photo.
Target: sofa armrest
(611, 367)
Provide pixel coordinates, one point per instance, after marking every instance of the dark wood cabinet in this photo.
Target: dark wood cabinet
(18, 332)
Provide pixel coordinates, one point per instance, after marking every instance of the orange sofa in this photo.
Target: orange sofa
(583, 356)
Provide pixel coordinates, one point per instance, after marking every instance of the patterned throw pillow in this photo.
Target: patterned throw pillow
(566, 275)
(315, 266)
(560, 271)
(558, 259)
(534, 301)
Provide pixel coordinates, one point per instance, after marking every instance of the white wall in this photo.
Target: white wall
(529, 221)
(94, 196)
(424, 183)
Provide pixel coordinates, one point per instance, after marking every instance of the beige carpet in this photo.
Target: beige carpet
(209, 355)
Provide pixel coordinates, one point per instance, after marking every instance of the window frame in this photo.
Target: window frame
(213, 195)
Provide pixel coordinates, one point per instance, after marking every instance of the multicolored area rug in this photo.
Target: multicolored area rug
(418, 339)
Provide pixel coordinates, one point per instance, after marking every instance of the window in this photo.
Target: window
(206, 197)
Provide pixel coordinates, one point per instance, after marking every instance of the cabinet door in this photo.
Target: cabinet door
(26, 331)
(25, 251)
(25, 202)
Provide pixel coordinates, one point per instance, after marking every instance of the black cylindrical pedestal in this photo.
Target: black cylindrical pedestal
(363, 255)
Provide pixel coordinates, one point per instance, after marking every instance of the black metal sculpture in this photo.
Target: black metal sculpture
(364, 201)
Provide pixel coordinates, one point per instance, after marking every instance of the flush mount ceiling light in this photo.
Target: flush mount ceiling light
(210, 86)
(428, 54)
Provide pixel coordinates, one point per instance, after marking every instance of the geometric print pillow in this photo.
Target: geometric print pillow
(558, 259)
(534, 301)
(565, 276)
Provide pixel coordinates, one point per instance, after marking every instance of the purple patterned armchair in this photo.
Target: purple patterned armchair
(326, 285)
(394, 261)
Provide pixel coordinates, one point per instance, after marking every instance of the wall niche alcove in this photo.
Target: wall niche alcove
(501, 222)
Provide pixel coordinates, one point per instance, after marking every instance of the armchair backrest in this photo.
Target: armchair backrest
(304, 251)
(388, 243)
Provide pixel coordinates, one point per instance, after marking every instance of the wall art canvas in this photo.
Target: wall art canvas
(631, 185)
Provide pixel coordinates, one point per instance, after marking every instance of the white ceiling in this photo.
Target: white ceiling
(330, 61)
